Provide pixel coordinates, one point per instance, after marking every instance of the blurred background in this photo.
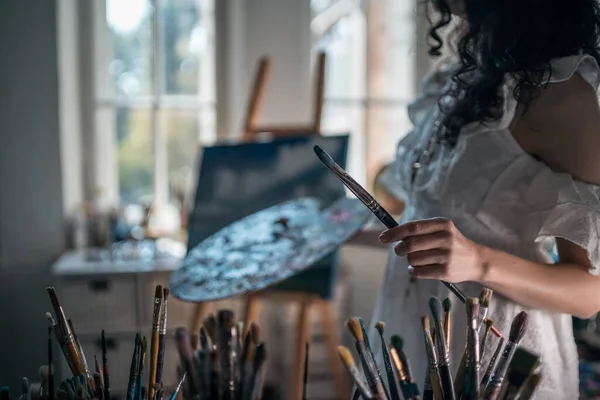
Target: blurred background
(105, 106)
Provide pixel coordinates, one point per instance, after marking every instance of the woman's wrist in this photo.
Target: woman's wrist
(484, 258)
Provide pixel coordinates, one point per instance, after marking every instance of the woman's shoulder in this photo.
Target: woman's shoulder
(561, 125)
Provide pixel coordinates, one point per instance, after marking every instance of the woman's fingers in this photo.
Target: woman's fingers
(416, 228)
(432, 271)
(428, 257)
(438, 240)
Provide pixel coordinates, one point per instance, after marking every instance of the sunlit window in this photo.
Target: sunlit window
(155, 95)
(371, 60)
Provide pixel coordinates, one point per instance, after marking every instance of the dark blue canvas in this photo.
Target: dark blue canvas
(241, 179)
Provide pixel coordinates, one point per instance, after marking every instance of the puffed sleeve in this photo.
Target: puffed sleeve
(576, 217)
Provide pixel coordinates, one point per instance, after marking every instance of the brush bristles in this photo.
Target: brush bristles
(425, 322)
(471, 301)
(489, 323)
(346, 356)
(255, 330)
(210, 324)
(166, 293)
(53, 297)
(518, 327)
(158, 292)
(447, 305)
(485, 296)
(397, 342)
(248, 347)
(260, 355)
(355, 329)
(179, 333)
(324, 157)
(226, 318)
(472, 306)
(380, 326)
(435, 305)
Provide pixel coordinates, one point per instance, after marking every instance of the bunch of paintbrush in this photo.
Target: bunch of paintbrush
(67, 339)
(398, 372)
(225, 361)
(136, 390)
(98, 383)
(512, 374)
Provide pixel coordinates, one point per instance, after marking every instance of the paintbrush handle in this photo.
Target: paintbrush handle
(473, 364)
(427, 388)
(74, 357)
(459, 378)
(481, 318)
(436, 384)
(161, 359)
(503, 364)
(133, 373)
(153, 361)
(490, 369)
(446, 382)
(390, 372)
(361, 387)
(373, 380)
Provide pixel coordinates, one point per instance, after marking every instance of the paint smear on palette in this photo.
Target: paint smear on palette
(266, 248)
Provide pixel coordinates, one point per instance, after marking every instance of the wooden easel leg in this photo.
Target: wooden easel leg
(252, 311)
(200, 312)
(298, 366)
(332, 341)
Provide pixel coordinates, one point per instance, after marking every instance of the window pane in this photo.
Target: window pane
(398, 50)
(130, 47)
(135, 154)
(388, 123)
(181, 130)
(344, 44)
(187, 43)
(348, 118)
(185, 131)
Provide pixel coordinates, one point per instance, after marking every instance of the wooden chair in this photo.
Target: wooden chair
(305, 300)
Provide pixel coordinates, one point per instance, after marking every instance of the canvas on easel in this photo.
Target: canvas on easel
(241, 179)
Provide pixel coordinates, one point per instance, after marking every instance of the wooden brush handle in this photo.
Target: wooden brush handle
(74, 357)
(436, 385)
(459, 379)
(153, 360)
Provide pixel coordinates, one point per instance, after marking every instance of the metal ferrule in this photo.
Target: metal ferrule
(503, 363)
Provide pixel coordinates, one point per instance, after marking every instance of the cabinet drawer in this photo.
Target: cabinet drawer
(97, 303)
(179, 312)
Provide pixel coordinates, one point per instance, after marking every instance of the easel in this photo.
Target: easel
(305, 300)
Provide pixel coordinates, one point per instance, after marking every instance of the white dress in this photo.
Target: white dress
(498, 196)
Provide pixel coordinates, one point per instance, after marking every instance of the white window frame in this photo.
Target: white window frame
(85, 167)
(99, 148)
(366, 149)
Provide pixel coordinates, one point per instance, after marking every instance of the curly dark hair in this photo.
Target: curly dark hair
(516, 38)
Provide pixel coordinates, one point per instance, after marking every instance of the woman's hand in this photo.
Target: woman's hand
(435, 249)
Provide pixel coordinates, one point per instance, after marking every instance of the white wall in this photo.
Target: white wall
(251, 29)
(31, 232)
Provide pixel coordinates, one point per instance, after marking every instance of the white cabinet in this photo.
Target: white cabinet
(116, 297)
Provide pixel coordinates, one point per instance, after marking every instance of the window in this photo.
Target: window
(153, 93)
(371, 74)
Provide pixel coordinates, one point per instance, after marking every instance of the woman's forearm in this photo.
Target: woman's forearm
(562, 287)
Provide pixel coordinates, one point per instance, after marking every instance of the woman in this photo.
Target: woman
(505, 154)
